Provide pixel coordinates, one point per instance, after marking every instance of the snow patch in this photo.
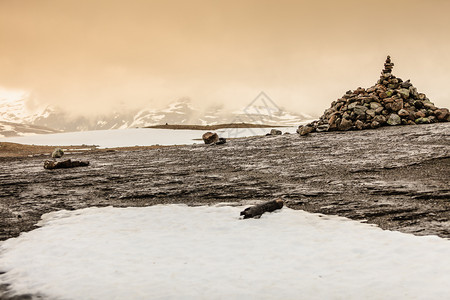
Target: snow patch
(207, 252)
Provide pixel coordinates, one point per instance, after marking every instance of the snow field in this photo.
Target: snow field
(207, 252)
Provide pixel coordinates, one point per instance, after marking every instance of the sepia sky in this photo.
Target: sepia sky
(90, 56)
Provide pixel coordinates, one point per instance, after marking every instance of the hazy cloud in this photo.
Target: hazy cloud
(90, 56)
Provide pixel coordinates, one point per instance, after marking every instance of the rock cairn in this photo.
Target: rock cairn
(391, 101)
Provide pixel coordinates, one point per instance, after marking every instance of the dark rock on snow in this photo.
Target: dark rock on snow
(257, 210)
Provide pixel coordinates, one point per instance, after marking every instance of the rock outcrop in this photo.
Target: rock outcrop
(391, 101)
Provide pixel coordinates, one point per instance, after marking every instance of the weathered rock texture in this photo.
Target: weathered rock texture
(396, 177)
(391, 101)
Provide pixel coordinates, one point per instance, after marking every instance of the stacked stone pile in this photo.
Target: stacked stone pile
(391, 101)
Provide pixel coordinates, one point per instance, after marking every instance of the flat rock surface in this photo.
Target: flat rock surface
(395, 177)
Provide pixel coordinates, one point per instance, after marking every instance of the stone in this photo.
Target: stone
(403, 113)
(306, 130)
(429, 105)
(275, 132)
(418, 104)
(374, 124)
(371, 113)
(332, 119)
(322, 128)
(406, 85)
(57, 153)
(221, 141)
(374, 105)
(419, 114)
(210, 137)
(404, 93)
(394, 119)
(397, 105)
(442, 114)
(352, 105)
(360, 110)
(380, 119)
(345, 124)
(379, 110)
(422, 121)
(359, 125)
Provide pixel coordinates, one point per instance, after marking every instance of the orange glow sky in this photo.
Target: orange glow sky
(99, 55)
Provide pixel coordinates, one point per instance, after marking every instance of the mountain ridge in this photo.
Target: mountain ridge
(179, 112)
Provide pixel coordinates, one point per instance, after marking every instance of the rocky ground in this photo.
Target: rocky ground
(396, 177)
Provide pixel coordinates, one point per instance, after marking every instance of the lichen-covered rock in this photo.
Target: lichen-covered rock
(422, 121)
(391, 101)
(394, 119)
(57, 153)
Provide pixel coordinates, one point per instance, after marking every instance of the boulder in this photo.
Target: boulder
(345, 124)
(305, 130)
(359, 125)
(397, 104)
(380, 119)
(442, 114)
(374, 105)
(404, 93)
(394, 119)
(403, 113)
(210, 137)
(57, 153)
(275, 132)
(374, 124)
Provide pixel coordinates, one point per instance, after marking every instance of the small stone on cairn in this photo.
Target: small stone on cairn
(391, 101)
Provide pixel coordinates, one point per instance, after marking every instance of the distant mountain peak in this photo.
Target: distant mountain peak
(260, 111)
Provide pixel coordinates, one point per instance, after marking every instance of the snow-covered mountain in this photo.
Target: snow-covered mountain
(9, 129)
(178, 112)
(16, 119)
